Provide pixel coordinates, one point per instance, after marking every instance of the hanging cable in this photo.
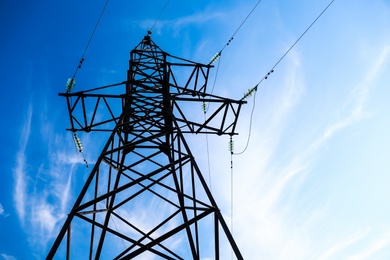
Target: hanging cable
(254, 89)
(208, 160)
(250, 122)
(231, 198)
(205, 106)
(72, 82)
(231, 149)
(216, 76)
(158, 18)
(218, 54)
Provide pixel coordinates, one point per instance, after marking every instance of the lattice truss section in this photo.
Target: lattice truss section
(156, 78)
(146, 198)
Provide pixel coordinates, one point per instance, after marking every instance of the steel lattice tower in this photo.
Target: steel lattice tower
(145, 197)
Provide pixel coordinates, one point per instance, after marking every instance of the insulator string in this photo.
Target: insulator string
(79, 147)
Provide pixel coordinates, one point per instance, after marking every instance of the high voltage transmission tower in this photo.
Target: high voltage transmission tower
(146, 197)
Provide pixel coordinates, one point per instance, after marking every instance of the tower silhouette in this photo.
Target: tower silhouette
(145, 197)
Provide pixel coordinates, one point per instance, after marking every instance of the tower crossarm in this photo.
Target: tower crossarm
(220, 117)
(91, 111)
(159, 88)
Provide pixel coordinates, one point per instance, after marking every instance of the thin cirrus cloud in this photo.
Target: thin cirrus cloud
(258, 199)
(374, 249)
(295, 190)
(359, 98)
(340, 245)
(19, 171)
(352, 243)
(7, 257)
(264, 210)
(182, 22)
(42, 188)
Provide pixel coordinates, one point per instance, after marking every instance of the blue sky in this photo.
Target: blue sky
(314, 181)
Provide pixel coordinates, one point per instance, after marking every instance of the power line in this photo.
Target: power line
(239, 27)
(71, 81)
(90, 39)
(231, 195)
(254, 89)
(158, 18)
(293, 45)
(216, 56)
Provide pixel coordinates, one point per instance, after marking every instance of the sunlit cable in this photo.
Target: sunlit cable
(250, 123)
(292, 46)
(91, 37)
(216, 56)
(254, 89)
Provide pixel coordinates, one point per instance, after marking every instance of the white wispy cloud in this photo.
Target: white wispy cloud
(7, 257)
(341, 245)
(42, 187)
(3, 212)
(182, 22)
(355, 113)
(259, 183)
(20, 177)
(362, 93)
(374, 247)
(260, 198)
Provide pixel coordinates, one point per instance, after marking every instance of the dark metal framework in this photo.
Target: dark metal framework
(146, 196)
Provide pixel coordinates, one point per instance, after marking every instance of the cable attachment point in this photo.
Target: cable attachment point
(250, 92)
(231, 145)
(269, 73)
(79, 147)
(70, 84)
(215, 57)
(204, 107)
(78, 143)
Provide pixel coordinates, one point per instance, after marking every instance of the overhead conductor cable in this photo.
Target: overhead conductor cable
(69, 87)
(158, 18)
(218, 54)
(254, 89)
(293, 45)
